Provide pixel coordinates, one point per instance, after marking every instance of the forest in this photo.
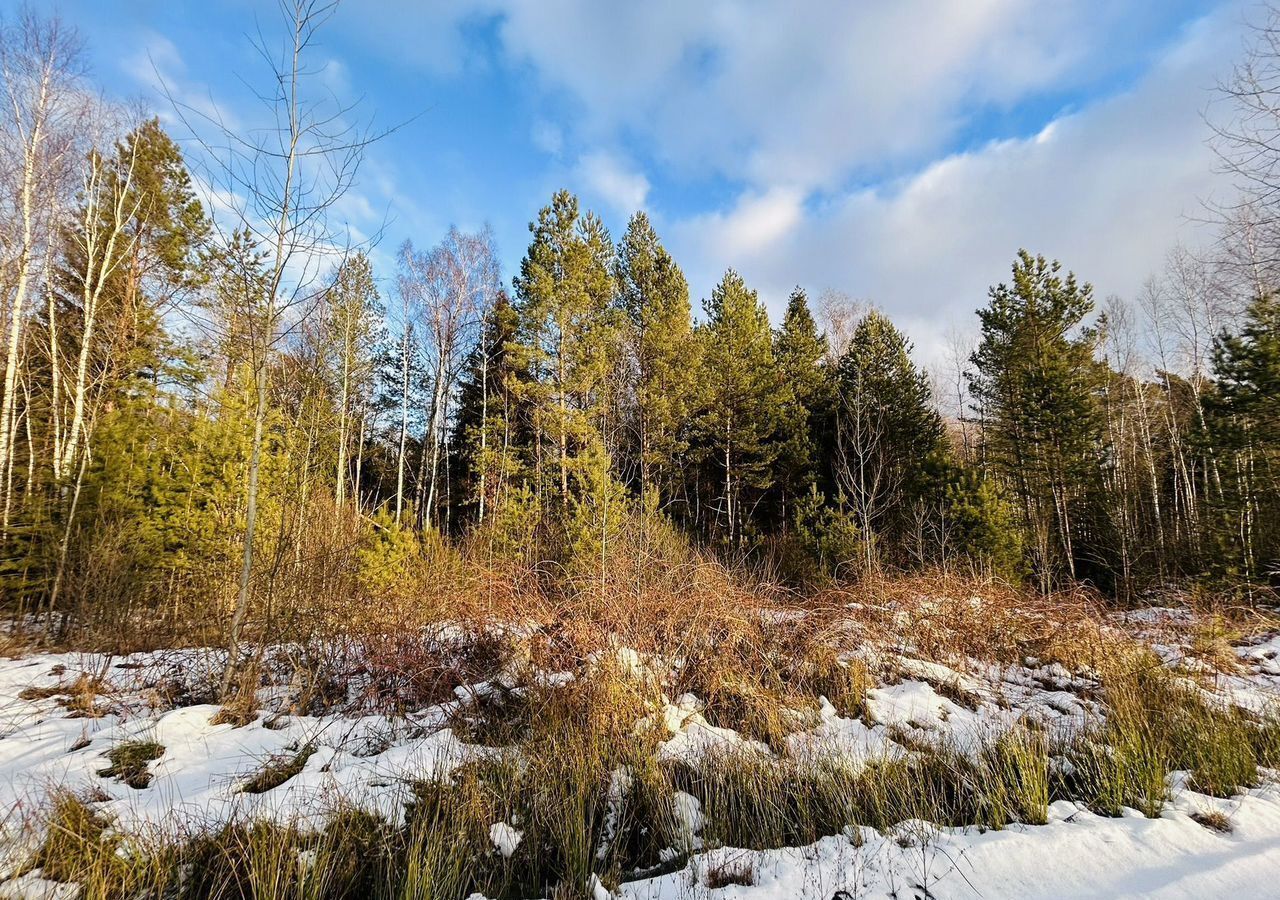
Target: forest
(222, 428)
(203, 417)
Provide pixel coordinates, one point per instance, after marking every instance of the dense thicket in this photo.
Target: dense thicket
(190, 434)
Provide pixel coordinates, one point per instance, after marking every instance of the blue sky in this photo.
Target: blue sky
(899, 153)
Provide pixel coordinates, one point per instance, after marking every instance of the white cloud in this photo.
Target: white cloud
(160, 68)
(791, 103)
(336, 77)
(1107, 190)
(757, 223)
(547, 137)
(427, 35)
(608, 178)
(806, 94)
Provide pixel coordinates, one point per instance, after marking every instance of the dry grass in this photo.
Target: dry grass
(948, 617)
(79, 697)
(1213, 819)
(277, 770)
(385, 622)
(733, 871)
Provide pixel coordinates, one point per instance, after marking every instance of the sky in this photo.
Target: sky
(899, 153)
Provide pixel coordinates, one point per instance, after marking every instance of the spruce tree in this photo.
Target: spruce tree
(1244, 420)
(800, 350)
(887, 430)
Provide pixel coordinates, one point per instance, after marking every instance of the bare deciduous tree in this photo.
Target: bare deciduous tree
(278, 183)
(450, 287)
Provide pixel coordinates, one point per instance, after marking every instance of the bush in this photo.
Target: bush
(828, 536)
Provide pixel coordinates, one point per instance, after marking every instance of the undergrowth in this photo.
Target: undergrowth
(571, 713)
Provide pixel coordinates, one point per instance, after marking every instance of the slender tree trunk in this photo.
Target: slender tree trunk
(564, 422)
(344, 401)
(250, 525)
(356, 494)
(404, 424)
(437, 423)
(484, 426)
(267, 343)
(8, 400)
(55, 381)
(65, 544)
(728, 477)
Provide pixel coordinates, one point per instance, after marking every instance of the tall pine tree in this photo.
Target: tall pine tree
(658, 329)
(1034, 381)
(738, 428)
(800, 350)
(566, 340)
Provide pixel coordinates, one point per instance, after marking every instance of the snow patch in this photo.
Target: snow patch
(505, 838)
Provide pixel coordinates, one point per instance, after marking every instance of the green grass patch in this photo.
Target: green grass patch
(277, 770)
(129, 762)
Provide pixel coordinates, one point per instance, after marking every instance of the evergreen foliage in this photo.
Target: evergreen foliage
(743, 397)
(1035, 383)
(540, 426)
(1244, 417)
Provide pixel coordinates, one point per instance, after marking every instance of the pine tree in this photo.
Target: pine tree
(1244, 419)
(101, 354)
(566, 338)
(658, 329)
(742, 405)
(164, 235)
(800, 350)
(487, 429)
(886, 430)
(1034, 382)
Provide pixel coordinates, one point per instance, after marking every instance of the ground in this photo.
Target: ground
(140, 740)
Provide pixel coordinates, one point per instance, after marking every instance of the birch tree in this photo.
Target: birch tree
(451, 287)
(351, 321)
(40, 65)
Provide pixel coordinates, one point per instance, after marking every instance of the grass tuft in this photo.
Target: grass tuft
(129, 762)
(1213, 819)
(277, 770)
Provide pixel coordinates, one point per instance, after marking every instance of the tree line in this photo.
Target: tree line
(196, 405)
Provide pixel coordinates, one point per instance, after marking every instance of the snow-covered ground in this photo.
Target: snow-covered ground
(1076, 855)
(55, 736)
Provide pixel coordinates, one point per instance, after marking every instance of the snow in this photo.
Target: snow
(996, 698)
(688, 812)
(620, 781)
(505, 838)
(1264, 656)
(369, 761)
(355, 757)
(851, 741)
(30, 886)
(694, 739)
(1077, 855)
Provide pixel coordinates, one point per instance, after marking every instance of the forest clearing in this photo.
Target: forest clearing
(334, 565)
